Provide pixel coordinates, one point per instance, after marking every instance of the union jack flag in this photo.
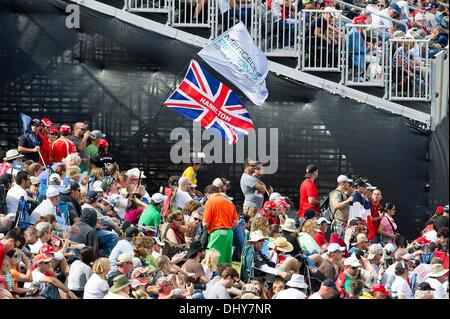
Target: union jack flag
(206, 100)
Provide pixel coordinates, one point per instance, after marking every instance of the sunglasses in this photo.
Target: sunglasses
(197, 219)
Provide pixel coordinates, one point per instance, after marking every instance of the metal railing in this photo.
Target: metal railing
(409, 70)
(278, 29)
(155, 6)
(191, 13)
(365, 55)
(321, 41)
(246, 11)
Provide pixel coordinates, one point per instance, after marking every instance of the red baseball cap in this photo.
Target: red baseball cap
(380, 288)
(46, 122)
(269, 205)
(422, 241)
(65, 129)
(103, 143)
(47, 249)
(54, 130)
(440, 210)
(41, 258)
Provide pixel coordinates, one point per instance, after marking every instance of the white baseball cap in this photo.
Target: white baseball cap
(333, 247)
(390, 248)
(344, 178)
(218, 182)
(55, 179)
(52, 191)
(134, 173)
(370, 187)
(320, 220)
(158, 198)
(97, 186)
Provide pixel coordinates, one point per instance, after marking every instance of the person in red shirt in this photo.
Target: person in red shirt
(63, 146)
(46, 145)
(319, 237)
(309, 195)
(375, 210)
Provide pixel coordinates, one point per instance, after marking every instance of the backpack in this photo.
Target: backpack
(22, 216)
(246, 270)
(325, 210)
(169, 249)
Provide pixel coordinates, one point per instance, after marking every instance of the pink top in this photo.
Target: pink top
(387, 227)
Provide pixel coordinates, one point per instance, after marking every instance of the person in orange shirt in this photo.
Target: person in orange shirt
(219, 218)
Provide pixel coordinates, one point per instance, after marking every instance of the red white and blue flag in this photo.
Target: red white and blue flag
(212, 104)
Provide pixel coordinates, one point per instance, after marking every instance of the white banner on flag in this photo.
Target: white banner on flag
(234, 55)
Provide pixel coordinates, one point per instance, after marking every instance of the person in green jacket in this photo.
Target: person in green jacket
(151, 216)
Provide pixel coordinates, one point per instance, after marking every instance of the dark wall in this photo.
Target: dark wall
(116, 76)
(439, 187)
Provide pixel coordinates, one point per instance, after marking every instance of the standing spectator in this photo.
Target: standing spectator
(360, 206)
(30, 142)
(97, 286)
(80, 272)
(79, 138)
(62, 147)
(376, 210)
(151, 216)
(388, 227)
(436, 278)
(191, 172)
(441, 220)
(46, 145)
(103, 159)
(183, 196)
(95, 136)
(252, 188)
(15, 193)
(219, 218)
(329, 269)
(340, 204)
(309, 194)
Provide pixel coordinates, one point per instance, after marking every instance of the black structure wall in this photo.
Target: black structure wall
(116, 76)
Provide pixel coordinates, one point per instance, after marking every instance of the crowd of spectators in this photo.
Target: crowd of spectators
(74, 225)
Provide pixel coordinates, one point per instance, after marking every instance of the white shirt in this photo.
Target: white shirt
(34, 249)
(96, 287)
(401, 286)
(45, 208)
(290, 293)
(12, 200)
(181, 198)
(404, 7)
(37, 277)
(380, 21)
(315, 295)
(439, 292)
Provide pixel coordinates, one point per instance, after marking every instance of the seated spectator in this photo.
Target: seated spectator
(151, 216)
(327, 290)
(183, 196)
(124, 267)
(297, 289)
(86, 225)
(42, 278)
(97, 286)
(81, 271)
(123, 246)
(194, 256)
(210, 263)
(219, 290)
(120, 288)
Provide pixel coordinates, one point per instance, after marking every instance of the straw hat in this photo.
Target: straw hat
(281, 244)
(11, 155)
(361, 238)
(289, 225)
(256, 236)
(437, 270)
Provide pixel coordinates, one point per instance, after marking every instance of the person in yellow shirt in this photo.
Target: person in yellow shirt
(191, 172)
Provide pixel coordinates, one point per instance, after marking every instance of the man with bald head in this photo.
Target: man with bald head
(80, 137)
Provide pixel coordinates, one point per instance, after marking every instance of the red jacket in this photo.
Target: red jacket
(63, 147)
(46, 149)
(342, 278)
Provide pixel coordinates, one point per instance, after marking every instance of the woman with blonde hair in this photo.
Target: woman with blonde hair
(73, 172)
(308, 243)
(210, 262)
(72, 160)
(97, 285)
(98, 173)
(261, 223)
